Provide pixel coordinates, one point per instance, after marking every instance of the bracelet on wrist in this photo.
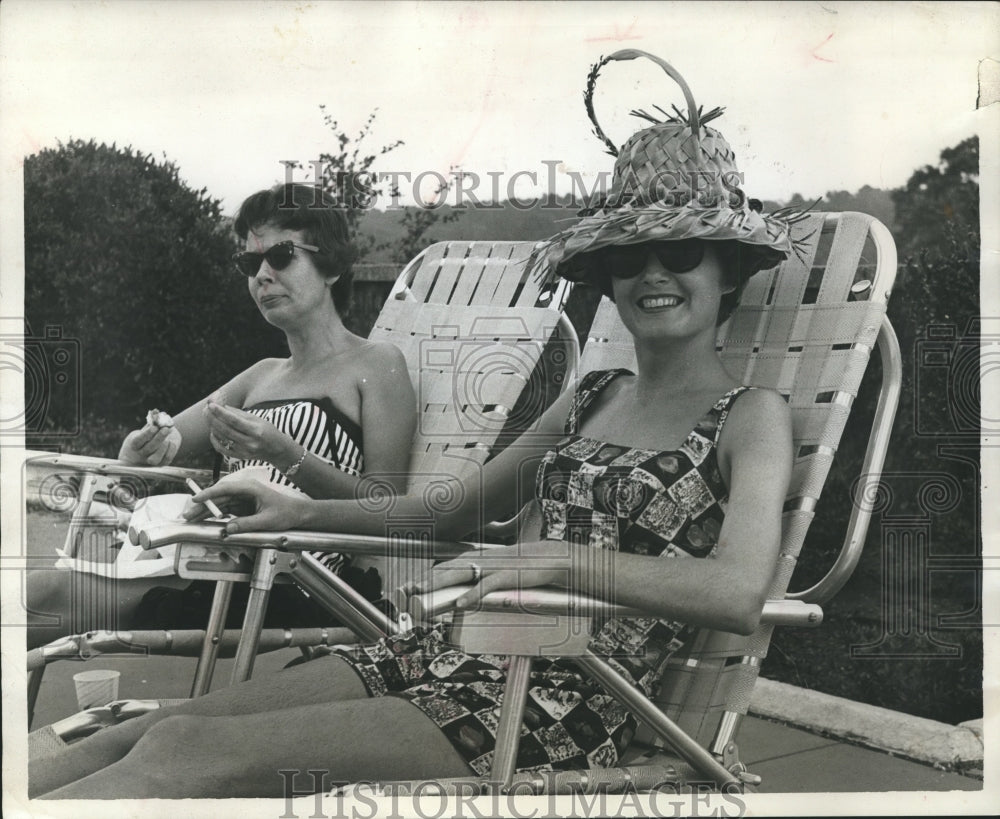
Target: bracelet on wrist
(295, 466)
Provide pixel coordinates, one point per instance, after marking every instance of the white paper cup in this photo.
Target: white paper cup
(98, 687)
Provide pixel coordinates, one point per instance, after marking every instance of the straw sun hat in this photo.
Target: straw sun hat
(676, 179)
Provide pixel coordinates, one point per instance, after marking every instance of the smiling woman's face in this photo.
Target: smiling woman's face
(658, 303)
(290, 294)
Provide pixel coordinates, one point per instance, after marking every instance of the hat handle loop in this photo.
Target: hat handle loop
(631, 54)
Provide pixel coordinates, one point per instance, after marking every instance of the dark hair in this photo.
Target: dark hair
(739, 262)
(303, 207)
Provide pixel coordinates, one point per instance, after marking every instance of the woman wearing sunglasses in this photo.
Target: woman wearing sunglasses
(298, 423)
(661, 489)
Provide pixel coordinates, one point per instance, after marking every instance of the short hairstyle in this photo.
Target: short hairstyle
(741, 261)
(307, 208)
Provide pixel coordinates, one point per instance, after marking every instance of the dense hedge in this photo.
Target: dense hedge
(906, 632)
(130, 265)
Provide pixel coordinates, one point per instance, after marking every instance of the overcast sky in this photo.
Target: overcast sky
(819, 96)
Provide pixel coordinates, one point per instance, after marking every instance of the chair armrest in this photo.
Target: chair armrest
(551, 601)
(211, 533)
(176, 643)
(791, 613)
(110, 467)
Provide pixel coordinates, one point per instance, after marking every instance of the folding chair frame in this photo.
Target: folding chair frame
(707, 743)
(818, 360)
(484, 280)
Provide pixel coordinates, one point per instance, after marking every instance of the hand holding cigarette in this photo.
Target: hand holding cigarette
(210, 505)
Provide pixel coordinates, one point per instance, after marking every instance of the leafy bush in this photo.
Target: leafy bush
(126, 258)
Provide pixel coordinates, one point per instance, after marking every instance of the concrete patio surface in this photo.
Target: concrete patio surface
(789, 758)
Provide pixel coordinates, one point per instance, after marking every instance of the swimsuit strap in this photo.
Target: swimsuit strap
(589, 388)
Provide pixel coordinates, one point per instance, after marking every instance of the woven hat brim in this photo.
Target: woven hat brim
(656, 222)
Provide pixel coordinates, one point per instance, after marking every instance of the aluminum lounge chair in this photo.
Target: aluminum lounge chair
(805, 330)
(474, 331)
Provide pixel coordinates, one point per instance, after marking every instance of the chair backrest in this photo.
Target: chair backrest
(486, 346)
(489, 274)
(805, 329)
(487, 350)
(469, 365)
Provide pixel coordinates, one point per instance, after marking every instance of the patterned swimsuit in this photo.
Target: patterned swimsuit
(325, 431)
(331, 436)
(610, 497)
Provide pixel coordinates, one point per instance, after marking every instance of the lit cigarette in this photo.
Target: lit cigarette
(215, 510)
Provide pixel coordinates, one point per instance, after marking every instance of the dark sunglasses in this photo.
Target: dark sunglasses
(628, 261)
(278, 256)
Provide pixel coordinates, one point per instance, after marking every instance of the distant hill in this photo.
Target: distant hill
(536, 220)
(503, 222)
(873, 201)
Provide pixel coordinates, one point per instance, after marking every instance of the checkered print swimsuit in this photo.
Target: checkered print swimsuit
(612, 498)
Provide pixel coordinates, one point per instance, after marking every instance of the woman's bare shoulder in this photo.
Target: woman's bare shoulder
(380, 363)
(379, 358)
(761, 400)
(265, 365)
(239, 386)
(381, 352)
(761, 415)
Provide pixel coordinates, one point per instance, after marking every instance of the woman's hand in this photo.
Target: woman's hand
(243, 436)
(150, 446)
(272, 510)
(520, 566)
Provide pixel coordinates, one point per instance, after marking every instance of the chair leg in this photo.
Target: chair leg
(368, 621)
(264, 571)
(213, 638)
(34, 683)
(511, 713)
(635, 701)
(81, 513)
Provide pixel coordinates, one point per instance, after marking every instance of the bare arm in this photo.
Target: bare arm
(505, 481)
(188, 437)
(727, 591)
(724, 592)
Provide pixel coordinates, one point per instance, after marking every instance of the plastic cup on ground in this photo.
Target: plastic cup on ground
(98, 687)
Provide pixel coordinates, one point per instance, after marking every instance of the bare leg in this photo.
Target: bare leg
(324, 680)
(83, 602)
(374, 739)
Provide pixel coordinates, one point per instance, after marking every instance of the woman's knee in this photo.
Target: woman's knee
(180, 756)
(175, 727)
(46, 604)
(43, 586)
(177, 734)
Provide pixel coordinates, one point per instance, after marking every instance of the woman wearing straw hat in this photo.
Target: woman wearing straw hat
(675, 460)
